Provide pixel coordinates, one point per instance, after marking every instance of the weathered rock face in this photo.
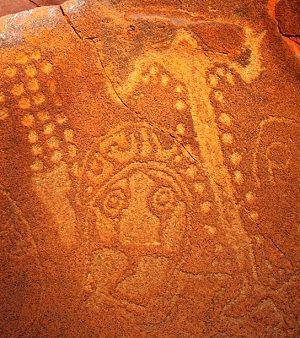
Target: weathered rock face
(150, 160)
(15, 6)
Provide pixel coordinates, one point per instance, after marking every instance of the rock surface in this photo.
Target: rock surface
(15, 6)
(150, 167)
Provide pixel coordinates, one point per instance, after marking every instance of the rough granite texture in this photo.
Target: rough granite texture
(150, 168)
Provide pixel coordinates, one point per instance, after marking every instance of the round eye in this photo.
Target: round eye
(164, 200)
(114, 202)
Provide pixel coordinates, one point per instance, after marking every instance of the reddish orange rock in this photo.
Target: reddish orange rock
(287, 14)
(15, 6)
(150, 168)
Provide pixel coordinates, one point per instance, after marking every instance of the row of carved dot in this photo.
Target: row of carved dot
(29, 120)
(179, 105)
(227, 138)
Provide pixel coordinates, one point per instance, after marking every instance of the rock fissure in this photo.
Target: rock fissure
(94, 41)
(132, 178)
(291, 37)
(65, 16)
(37, 5)
(179, 142)
(286, 35)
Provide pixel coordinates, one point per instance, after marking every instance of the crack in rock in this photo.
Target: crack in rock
(94, 41)
(37, 5)
(65, 16)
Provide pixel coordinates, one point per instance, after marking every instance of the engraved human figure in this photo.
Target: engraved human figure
(135, 207)
(139, 222)
(143, 215)
(183, 55)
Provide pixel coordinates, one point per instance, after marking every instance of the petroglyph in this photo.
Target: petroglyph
(140, 206)
(52, 142)
(36, 93)
(277, 150)
(144, 163)
(190, 67)
(113, 203)
(21, 270)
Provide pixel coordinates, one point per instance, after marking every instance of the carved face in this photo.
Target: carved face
(138, 202)
(141, 206)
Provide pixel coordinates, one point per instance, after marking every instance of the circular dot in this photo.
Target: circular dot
(238, 177)
(37, 149)
(179, 89)
(46, 67)
(254, 215)
(180, 105)
(227, 138)
(30, 70)
(164, 199)
(37, 165)
(191, 171)
(36, 54)
(250, 197)
(28, 120)
(24, 103)
(43, 115)
(178, 159)
(114, 202)
(49, 128)
(206, 207)
(18, 89)
(21, 58)
(32, 136)
(61, 119)
(235, 158)
(180, 129)
(89, 190)
(53, 142)
(210, 229)
(219, 248)
(72, 149)
(69, 135)
(199, 187)
(10, 71)
(165, 79)
(56, 156)
(154, 70)
(218, 96)
(39, 98)
(215, 262)
(33, 85)
(225, 119)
